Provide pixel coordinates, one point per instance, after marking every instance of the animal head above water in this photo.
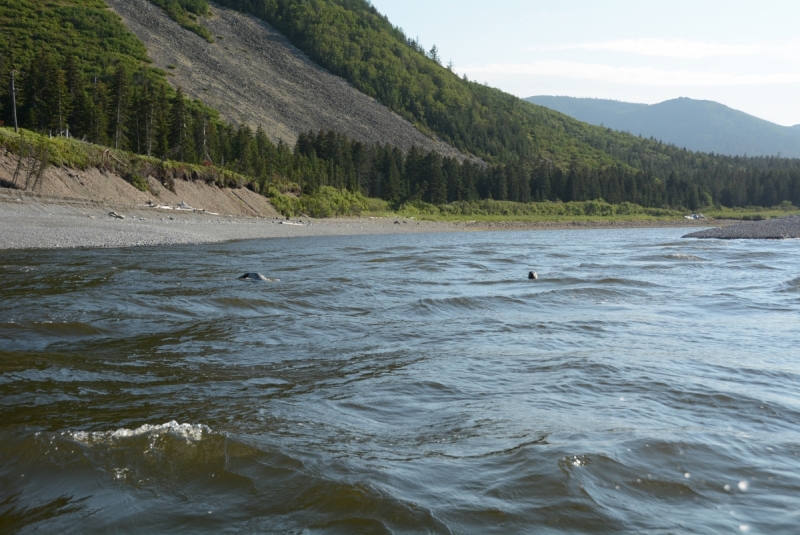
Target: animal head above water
(253, 277)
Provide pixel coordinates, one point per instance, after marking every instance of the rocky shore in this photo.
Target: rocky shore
(34, 222)
(772, 229)
(31, 223)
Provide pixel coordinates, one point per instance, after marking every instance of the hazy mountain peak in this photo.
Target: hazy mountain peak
(700, 125)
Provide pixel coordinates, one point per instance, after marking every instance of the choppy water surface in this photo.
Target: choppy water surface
(404, 384)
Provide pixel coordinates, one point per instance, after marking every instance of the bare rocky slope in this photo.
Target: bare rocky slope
(254, 76)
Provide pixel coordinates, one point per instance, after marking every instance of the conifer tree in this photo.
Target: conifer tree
(160, 121)
(59, 103)
(137, 119)
(97, 112)
(82, 114)
(5, 85)
(437, 186)
(180, 140)
(120, 95)
(75, 81)
(434, 54)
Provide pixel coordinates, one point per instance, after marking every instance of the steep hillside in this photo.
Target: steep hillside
(698, 125)
(82, 72)
(253, 75)
(353, 40)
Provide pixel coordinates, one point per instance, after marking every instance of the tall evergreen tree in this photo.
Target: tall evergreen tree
(180, 140)
(159, 144)
(96, 111)
(120, 95)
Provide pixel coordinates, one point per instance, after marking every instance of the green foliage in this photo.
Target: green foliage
(139, 182)
(185, 13)
(86, 29)
(82, 74)
(751, 213)
(75, 154)
(354, 41)
(351, 39)
(326, 202)
(541, 210)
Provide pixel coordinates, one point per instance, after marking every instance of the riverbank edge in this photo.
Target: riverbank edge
(29, 221)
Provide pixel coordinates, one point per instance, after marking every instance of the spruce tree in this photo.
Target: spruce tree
(5, 86)
(59, 103)
(82, 113)
(437, 185)
(98, 117)
(180, 140)
(160, 120)
(120, 95)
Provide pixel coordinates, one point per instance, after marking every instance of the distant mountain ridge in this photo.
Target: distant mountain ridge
(698, 125)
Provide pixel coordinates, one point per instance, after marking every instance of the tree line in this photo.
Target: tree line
(132, 110)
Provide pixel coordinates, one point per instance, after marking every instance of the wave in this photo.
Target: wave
(193, 432)
(791, 286)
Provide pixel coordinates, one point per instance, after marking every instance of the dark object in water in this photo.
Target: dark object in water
(253, 277)
(533, 276)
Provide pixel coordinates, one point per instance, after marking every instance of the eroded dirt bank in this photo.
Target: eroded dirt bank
(95, 185)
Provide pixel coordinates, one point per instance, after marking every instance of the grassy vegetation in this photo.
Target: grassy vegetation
(325, 202)
(186, 13)
(331, 202)
(350, 38)
(353, 40)
(752, 213)
(75, 154)
(86, 29)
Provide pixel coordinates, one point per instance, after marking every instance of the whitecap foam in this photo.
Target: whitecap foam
(191, 432)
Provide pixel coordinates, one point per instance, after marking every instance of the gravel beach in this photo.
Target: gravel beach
(772, 229)
(42, 225)
(31, 222)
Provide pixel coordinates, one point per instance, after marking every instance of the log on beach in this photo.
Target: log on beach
(781, 228)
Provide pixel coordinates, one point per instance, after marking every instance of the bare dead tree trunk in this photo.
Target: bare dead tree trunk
(14, 101)
(24, 154)
(148, 127)
(119, 121)
(13, 87)
(43, 156)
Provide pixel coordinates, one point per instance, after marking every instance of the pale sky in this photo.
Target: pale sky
(744, 54)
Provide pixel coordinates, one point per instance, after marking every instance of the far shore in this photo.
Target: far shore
(37, 222)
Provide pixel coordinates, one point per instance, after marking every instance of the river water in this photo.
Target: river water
(404, 384)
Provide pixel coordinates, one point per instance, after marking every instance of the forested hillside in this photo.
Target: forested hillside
(79, 70)
(352, 39)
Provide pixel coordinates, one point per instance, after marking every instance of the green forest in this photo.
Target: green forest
(80, 73)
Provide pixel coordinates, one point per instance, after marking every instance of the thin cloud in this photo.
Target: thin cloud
(643, 76)
(667, 48)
